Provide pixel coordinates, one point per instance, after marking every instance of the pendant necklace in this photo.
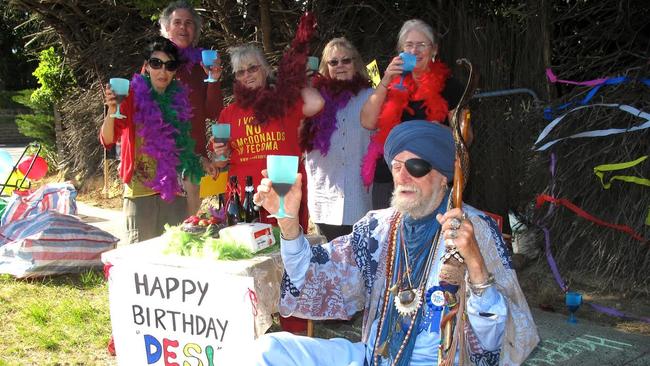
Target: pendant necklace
(408, 299)
(411, 298)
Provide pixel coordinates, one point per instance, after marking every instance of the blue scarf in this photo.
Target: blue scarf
(418, 235)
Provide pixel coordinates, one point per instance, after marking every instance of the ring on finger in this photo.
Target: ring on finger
(453, 234)
(463, 217)
(450, 246)
(455, 223)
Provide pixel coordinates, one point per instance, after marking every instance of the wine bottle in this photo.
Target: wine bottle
(234, 211)
(222, 202)
(251, 214)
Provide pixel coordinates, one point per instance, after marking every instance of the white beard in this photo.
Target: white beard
(418, 206)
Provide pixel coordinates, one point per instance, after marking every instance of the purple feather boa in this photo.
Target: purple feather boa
(190, 56)
(325, 122)
(158, 136)
(317, 131)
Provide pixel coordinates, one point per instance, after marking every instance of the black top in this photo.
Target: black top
(452, 93)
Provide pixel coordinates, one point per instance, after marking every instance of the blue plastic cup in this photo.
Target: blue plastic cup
(409, 62)
(120, 87)
(221, 133)
(208, 57)
(573, 300)
(282, 171)
(312, 63)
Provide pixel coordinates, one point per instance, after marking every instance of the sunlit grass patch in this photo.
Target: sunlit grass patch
(57, 319)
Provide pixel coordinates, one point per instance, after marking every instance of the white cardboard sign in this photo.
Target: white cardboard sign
(163, 315)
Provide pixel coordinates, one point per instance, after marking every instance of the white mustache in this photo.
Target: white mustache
(407, 188)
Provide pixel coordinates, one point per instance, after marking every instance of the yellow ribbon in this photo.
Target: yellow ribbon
(600, 169)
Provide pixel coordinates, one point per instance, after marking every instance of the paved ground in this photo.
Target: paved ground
(107, 220)
(585, 343)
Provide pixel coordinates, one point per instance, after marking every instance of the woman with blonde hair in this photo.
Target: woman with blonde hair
(335, 142)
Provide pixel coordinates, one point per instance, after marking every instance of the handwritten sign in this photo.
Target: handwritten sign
(163, 315)
(373, 72)
(551, 352)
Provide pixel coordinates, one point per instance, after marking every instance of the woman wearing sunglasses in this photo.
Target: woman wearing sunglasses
(335, 142)
(157, 149)
(266, 113)
(428, 93)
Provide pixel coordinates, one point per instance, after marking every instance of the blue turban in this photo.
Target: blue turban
(430, 141)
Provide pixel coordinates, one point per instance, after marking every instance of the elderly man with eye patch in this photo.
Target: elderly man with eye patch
(389, 266)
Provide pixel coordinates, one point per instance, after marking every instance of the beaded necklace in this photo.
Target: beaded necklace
(413, 305)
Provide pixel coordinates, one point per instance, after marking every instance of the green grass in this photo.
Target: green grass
(60, 320)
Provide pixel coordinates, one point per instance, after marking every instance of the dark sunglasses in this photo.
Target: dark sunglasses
(251, 70)
(157, 64)
(344, 61)
(416, 167)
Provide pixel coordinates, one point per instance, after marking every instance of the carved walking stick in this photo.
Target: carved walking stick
(453, 268)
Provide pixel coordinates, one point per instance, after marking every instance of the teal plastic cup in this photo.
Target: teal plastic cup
(120, 88)
(208, 57)
(282, 171)
(221, 133)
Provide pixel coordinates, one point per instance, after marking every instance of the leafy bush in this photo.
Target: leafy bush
(55, 80)
(54, 77)
(8, 99)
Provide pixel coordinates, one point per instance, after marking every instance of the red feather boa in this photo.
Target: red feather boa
(431, 85)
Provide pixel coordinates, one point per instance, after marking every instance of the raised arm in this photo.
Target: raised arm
(214, 96)
(323, 281)
(372, 107)
(313, 102)
(107, 131)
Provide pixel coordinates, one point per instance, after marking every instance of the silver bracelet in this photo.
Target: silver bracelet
(479, 288)
(301, 232)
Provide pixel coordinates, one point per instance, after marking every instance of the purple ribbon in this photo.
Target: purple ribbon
(547, 233)
(552, 78)
(617, 313)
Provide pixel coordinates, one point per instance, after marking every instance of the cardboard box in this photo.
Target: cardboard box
(256, 236)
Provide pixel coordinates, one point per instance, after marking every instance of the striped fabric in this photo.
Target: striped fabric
(51, 243)
(60, 197)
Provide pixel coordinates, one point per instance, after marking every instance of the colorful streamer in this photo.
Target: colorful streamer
(549, 254)
(594, 133)
(553, 79)
(617, 313)
(600, 169)
(547, 233)
(596, 84)
(582, 213)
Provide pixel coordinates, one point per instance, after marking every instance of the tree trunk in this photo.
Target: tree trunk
(59, 138)
(545, 10)
(265, 22)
